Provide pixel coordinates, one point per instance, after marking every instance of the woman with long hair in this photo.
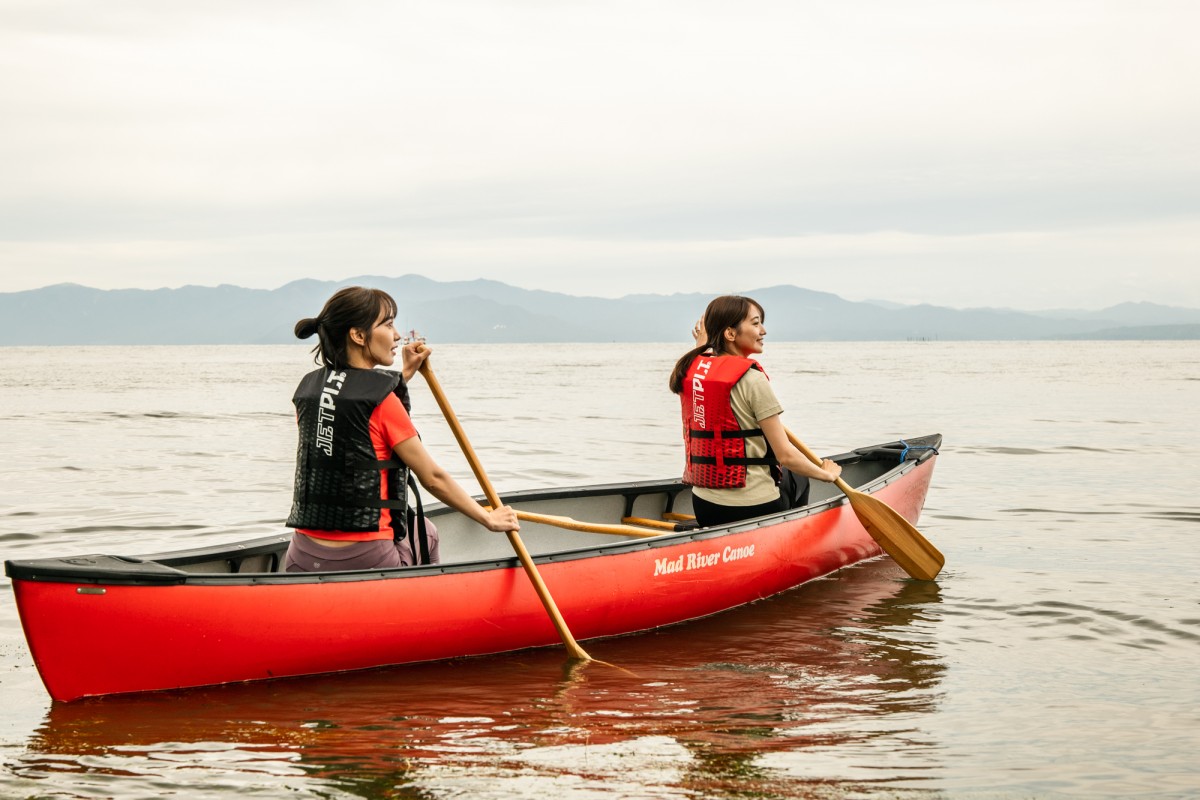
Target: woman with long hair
(358, 444)
(737, 447)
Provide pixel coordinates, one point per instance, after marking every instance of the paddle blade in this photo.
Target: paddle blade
(897, 536)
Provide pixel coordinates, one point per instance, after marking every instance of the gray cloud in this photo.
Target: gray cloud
(832, 145)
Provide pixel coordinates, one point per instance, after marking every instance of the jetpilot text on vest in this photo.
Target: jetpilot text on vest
(331, 389)
(702, 369)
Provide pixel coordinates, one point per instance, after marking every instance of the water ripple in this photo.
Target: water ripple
(138, 528)
(1075, 621)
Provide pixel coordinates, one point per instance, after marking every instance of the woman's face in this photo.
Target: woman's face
(379, 345)
(747, 337)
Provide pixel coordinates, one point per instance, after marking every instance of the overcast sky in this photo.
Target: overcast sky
(1022, 153)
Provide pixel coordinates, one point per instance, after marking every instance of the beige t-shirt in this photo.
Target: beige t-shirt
(752, 400)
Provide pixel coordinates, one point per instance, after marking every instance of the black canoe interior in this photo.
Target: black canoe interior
(466, 546)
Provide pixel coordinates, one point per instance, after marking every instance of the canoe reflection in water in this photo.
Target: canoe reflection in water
(824, 684)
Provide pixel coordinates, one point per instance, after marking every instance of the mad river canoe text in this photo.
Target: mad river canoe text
(665, 566)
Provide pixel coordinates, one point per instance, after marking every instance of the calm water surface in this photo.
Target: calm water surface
(1057, 655)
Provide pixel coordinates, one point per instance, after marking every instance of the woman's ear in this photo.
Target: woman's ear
(358, 337)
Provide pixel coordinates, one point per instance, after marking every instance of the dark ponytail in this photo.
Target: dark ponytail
(726, 311)
(307, 327)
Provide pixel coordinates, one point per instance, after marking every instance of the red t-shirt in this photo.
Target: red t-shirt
(390, 425)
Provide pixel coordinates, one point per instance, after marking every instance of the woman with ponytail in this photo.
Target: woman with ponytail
(738, 453)
(358, 446)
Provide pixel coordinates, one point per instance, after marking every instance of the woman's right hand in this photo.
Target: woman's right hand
(412, 356)
(502, 520)
(832, 469)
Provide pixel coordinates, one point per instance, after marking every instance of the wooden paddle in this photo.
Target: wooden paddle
(896, 535)
(573, 648)
(567, 523)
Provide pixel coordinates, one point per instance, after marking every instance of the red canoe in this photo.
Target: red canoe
(99, 624)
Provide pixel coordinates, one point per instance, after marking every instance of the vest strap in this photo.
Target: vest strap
(738, 434)
(418, 534)
(736, 461)
(337, 500)
(752, 462)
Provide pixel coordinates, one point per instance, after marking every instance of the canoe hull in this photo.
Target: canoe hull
(95, 637)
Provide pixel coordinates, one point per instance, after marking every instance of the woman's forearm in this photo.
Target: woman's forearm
(439, 484)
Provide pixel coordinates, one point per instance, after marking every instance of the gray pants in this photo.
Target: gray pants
(305, 554)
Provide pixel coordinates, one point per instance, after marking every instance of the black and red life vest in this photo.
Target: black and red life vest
(337, 473)
(716, 443)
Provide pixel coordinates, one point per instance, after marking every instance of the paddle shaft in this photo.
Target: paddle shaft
(567, 523)
(896, 535)
(539, 586)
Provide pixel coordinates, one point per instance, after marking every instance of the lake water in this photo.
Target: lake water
(1057, 655)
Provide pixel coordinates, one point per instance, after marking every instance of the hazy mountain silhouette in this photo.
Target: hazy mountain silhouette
(490, 311)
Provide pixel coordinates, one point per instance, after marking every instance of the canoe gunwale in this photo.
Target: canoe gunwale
(158, 569)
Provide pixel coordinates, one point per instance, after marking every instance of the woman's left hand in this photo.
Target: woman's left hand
(502, 519)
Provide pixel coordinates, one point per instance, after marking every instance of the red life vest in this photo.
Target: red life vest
(716, 444)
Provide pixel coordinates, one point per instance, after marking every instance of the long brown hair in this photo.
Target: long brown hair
(350, 307)
(726, 311)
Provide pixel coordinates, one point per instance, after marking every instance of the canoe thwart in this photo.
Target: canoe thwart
(660, 524)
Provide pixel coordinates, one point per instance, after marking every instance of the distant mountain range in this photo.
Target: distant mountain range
(488, 311)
